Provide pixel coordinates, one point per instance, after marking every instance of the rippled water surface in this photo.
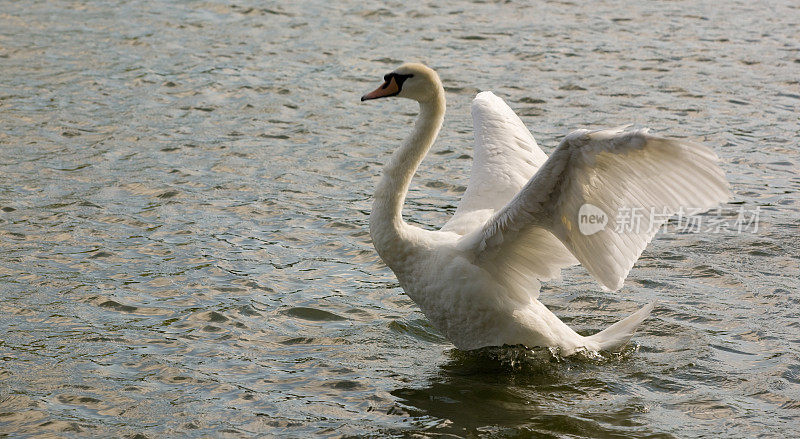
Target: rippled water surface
(184, 192)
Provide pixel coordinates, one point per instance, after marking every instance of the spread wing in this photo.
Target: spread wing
(505, 158)
(615, 172)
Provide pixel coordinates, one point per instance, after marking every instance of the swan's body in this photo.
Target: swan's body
(477, 279)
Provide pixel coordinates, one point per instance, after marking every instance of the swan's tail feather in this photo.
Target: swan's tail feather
(616, 335)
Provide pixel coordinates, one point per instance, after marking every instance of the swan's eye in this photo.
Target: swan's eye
(401, 79)
(397, 76)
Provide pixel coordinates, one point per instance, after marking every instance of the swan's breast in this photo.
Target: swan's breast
(460, 299)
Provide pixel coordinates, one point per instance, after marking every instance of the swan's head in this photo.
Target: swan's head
(412, 80)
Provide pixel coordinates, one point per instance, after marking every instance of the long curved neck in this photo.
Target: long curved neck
(386, 221)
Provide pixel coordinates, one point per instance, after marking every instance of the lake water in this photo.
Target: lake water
(184, 200)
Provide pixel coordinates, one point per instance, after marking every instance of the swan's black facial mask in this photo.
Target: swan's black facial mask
(392, 86)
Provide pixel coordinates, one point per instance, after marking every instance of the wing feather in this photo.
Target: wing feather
(613, 171)
(505, 157)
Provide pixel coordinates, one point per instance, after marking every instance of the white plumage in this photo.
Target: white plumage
(477, 279)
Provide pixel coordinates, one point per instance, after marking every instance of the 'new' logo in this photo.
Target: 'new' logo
(591, 219)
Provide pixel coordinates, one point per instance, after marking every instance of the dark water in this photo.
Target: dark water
(184, 191)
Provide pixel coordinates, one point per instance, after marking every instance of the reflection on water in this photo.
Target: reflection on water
(510, 390)
(184, 198)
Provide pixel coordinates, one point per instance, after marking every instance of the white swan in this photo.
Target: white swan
(477, 279)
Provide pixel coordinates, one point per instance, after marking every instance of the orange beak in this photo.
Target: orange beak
(389, 88)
